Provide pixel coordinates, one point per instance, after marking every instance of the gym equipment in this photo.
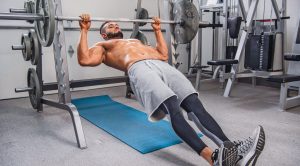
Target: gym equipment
(286, 81)
(234, 24)
(25, 47)
(30, 8)
(34, 87)
(142, 14)
(226, 16)
(230, 53)
(291, 79)
(45, 28)
(259, 52)
(221, 68)
(127, 124)
(246, 30)
(185, 14)
(140, 36)
(35, 47)
(30, 46)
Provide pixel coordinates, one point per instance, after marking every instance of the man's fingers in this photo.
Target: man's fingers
(156, 20)
(85, 17)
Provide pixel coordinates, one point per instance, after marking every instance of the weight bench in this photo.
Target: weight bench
(285, 80)
(220, 70)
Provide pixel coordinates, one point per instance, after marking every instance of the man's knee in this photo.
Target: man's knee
(171, 106)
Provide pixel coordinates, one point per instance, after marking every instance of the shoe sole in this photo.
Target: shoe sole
(231, 154)
(258, 149)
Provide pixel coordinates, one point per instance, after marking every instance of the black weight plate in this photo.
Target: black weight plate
(184, 11)
(33, 82)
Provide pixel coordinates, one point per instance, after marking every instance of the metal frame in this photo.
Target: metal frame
(62, 76)
(87, 82)
(199, 56)
(167, 6)
(215, 43)
(217, 70)
(286, 102)
(243, 39)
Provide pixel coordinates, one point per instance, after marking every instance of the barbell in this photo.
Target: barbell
(185, 14)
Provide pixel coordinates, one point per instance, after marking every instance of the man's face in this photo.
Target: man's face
(112, 31)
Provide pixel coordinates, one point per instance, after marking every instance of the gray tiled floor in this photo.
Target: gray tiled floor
(28, 138)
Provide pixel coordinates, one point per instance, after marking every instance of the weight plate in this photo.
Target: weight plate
(140, 36)
(35, 47)
(142, 14)
(184, 11)
(33, 82)
(25, 41)
(29, 7)
(45, 28)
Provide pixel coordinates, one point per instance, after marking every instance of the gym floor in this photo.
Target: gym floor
(28, 138)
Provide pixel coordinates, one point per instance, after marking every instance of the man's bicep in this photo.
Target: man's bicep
(97, 54)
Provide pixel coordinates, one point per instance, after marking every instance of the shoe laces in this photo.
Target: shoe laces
(244, 146)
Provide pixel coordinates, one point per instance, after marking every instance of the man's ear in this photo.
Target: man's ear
(104, 36)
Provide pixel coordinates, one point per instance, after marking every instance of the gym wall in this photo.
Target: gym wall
(13, 69)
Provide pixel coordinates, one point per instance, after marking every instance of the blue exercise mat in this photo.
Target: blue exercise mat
(127, 124)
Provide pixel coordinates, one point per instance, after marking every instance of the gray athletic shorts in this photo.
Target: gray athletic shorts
(154, 81)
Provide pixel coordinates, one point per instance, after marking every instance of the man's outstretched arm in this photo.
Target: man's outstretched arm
(161, 45)
(88, 56)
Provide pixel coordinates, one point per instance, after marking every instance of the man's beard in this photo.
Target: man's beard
(112, 35)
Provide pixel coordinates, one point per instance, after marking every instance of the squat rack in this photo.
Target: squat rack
(63, 83)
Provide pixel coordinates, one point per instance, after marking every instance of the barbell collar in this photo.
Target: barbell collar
(20, 16)
(19, 90)
(17, 47)
(17, 10)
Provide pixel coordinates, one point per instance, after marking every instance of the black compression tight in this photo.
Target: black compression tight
(181, 126)
(193, 104)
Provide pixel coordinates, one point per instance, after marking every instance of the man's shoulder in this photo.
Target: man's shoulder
(101, 43)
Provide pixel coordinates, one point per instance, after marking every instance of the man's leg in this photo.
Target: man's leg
(248, 150)
(227, 153)
(208, 125)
